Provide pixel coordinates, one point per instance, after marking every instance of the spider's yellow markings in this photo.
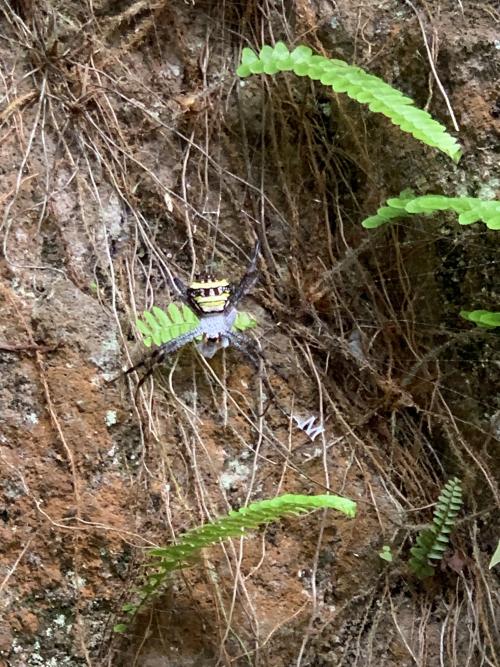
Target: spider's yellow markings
(210, 295)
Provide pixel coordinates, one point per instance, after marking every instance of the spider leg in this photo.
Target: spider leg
(247, 282)
(158, 356)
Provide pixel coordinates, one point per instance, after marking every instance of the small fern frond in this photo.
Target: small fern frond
(160, 327)
(235, 524)
(486, 319)
(357, 84)
(469, 209)
(386, 553)
(244, 321)
(432, 542)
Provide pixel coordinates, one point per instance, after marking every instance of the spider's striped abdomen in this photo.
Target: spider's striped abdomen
(210, 295)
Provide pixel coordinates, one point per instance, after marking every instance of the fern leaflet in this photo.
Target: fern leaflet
(469, 209)
(160, 327)
(357, 84)
(495, 559)
(432, 542)
(235, 524)
(483, 318)
(244, 321)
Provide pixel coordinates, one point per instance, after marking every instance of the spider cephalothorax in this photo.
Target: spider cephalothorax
(214, 302)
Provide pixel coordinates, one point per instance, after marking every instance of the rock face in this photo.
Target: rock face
(128, 153)
(67, 317)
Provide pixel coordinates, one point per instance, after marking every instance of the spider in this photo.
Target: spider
(215, 303)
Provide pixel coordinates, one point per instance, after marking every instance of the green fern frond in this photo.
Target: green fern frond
(235, 524)
(160, 327)
(432, 542)
(486, 319)
(357, 84)
(469, 209)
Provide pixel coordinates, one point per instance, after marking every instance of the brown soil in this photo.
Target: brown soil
(128, 149)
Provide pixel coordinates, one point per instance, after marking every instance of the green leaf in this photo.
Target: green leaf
(188, 315)
(175, 314)
(301, 54)
(244, 321)
(120, 628)
(469, 217)
(482, 318)
(248, 56)
(266, 53)
(490, 319)
(143, 327)
(151, 321)
(386, 553)
(469, 209)
(358, 85)
(282, 57)
(243, 71)
(281, 50)
(161, 316)
(266, 56)
(384, 215)
(495, 559)
(257, 67)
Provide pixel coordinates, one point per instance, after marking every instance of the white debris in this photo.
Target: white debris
(110, 418)
(307, 425)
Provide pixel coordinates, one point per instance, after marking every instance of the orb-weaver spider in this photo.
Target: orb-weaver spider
(215, 303)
